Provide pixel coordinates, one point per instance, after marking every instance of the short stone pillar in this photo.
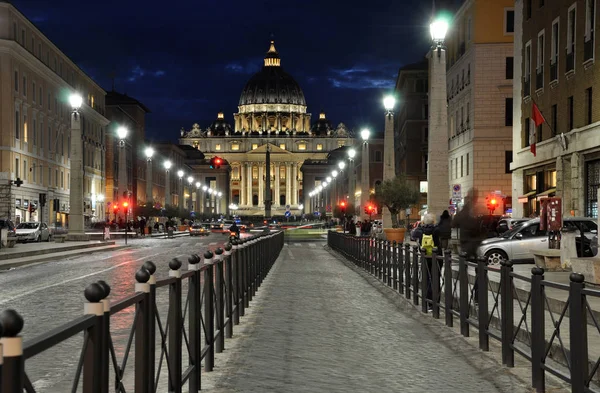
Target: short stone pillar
(568, 247)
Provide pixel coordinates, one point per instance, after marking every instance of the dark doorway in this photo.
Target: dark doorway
(282, 200)
(254, 200)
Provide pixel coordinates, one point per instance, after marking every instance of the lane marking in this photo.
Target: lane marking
(290, 254)
(213, 244)
(312, 245)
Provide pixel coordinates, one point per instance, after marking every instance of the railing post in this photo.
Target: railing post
(209, 331)
(381, 260)
(151, 267)
(228, 291)
(538, 334)
(483, 314)
(389, 262)
(194, 327)
(92, 358)
(219, 301)
(395, 266)
(425, 279)
(13, 368)
(175, 327)
(407, 267)
(105, 338)
(448, 296)
(435, 282)
(578, 334)
(246, 272)
(507, 313)
(237, 279)
(463, 283)
(141, 332)
(415, 275)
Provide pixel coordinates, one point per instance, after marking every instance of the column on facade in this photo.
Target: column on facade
(288, 183)
(242, 173)
(294, 199)
(251, 128)
(276, 192)
(261, 185)
(249, 184)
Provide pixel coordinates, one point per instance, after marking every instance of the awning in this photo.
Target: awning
(525, 198)
(546, 194)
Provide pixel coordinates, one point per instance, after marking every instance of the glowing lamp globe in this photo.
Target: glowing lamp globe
(167, 164)
(122, 132)
(365, 133)
(76, 101)
(438, 30)
(389, 102)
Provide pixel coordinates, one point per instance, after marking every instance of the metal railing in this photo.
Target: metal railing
(524, 321)
(218, 292)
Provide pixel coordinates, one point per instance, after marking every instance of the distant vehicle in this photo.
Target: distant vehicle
(33, 231)
(508, 223)
(199, 230)
(517, 243)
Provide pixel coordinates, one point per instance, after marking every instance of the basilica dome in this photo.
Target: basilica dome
(272, 85)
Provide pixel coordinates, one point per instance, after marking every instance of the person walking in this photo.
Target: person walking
(445, 230)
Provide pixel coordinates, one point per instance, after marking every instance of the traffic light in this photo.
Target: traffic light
(343, 207)
(125, 205)
(215, 162)
(492, 204)
(42, 198)
(115, 208)
(369, 209)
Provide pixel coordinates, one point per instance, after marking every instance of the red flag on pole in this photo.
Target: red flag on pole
(536, 119)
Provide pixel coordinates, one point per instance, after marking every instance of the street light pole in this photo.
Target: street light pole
(437, 153)
(122, 191)
(351, 178)
(179, 188)
(167, 165)
(149, 153)
(190, 180)
(76, 226)
(364, 178)
(389, 170)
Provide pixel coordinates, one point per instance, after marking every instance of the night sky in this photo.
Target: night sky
(186, 60)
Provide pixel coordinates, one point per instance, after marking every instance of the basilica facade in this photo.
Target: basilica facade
(272, 116)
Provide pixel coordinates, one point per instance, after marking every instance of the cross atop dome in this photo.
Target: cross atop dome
(272, 58)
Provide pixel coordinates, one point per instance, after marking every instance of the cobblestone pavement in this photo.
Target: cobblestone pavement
(319, 326)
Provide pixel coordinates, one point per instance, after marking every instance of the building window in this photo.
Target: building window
(456, 168)
(510, 62)
(235, 146)
(508, 112)
(33, 91)
(62, 179)
(319, 146)
(41, 97)
(254, 146)
(570, 108)
(467, 164)
(589, 105)
(23, 37)
(16, 81)
(17, 168)
(571, 20)
(469, 28)
(539, 81)
(34, 136)
(17, 125)
(49, 137)
(528, 9)
(527, 91)
(527, 131)
(509, 21)
(451, 169)
(590, 18)
(24, 85)
(218, 147)
(302, 146)
(461, 166)
(378, 156)
(508, 157)
(41, 134)
(468, 113)
(282, 146)
(554, 119)
(24, 128)
(554, 50)
(33, 168)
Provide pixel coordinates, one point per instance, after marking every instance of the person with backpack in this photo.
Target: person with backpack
(427, 236)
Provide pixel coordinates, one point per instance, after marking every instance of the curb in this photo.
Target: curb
(50, 256)
(46, 251)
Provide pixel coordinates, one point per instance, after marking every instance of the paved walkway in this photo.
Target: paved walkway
(319, 326)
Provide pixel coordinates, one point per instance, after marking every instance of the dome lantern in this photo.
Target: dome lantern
(272, 58)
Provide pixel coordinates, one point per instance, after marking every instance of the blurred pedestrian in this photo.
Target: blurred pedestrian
(427, 236)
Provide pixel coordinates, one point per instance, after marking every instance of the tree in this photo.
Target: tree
(397, 194)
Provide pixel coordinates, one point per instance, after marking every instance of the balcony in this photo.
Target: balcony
(554, 71)
(539, 78)
(588, 49)
(527, 87)
(570, 61)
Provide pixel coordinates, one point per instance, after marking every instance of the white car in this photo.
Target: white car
(33, 231)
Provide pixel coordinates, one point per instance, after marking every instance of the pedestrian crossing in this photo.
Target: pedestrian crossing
(302, 244)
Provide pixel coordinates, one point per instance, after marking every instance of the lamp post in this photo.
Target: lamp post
(233, 208)
(76, 227)
(190, 180)
(149, 153)
(334, 175)
(179, 188)
(389, 170)
(203, 201)
(167, 166)
(198, 188)
(364, 178)
(218, 201)
(122, 190)
(351, 176)
(437, 153)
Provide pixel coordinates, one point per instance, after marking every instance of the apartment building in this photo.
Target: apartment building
(480, 108)
(555, 49)
(412, 125)
(37, 79)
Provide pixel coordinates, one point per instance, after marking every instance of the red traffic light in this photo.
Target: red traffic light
(493, 201)
(342, 204)
(115, 207)
(217, 160)
(125, 204)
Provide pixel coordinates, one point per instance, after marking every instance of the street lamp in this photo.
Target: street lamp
(149, 153)
(190, 180)
(180, 174)
(351, 175)
(364, 179)
(122, 189)
(389, 161)
(437, 158)
(76, 224)
(341, 165)
(388, 103)
(167, 166)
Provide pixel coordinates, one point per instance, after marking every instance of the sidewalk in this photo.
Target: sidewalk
(320, 326)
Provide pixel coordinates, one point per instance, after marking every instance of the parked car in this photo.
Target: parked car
(199, 230)
(33, 231)
(516, 243)
(508, 223)
(9, 226)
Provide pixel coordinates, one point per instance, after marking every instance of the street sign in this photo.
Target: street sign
(456, 192)
(328, 208)
(288, 213)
